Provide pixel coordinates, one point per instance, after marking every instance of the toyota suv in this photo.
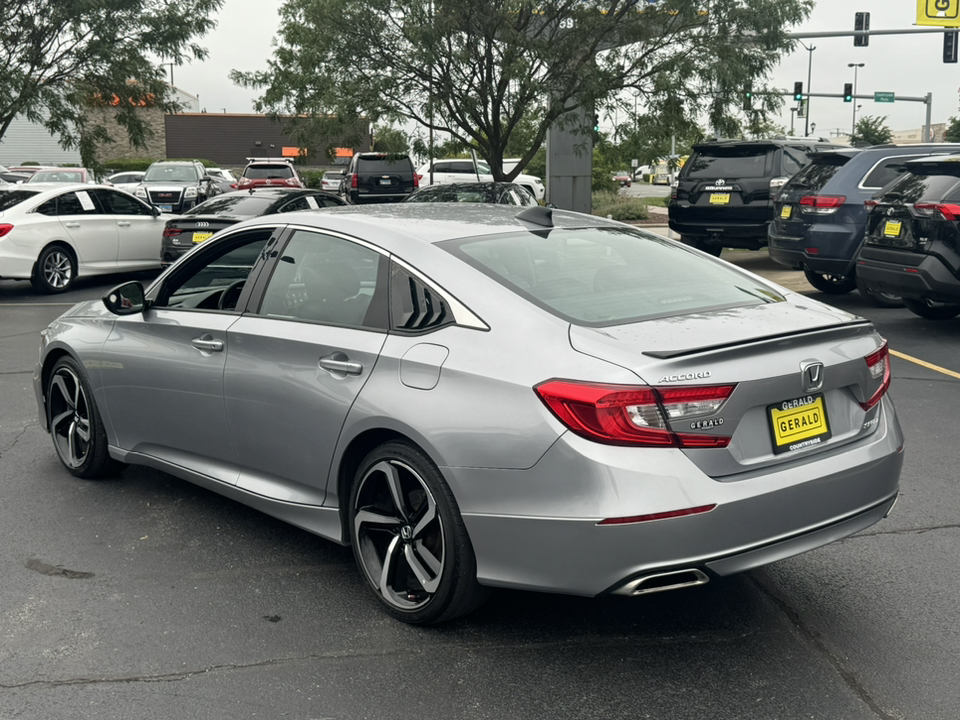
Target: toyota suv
(724, 193)
(176, 186)
(819, 216)
(267, 172)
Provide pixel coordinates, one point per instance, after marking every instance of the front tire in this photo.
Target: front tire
(831, 284)
(55, 270)
(75, 424)
(409, 540)
(932, 312)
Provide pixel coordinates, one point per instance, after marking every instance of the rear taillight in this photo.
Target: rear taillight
(878, 363)
(418, 176)
(293, 182)
(947, 211)
(353, 180)
(870, 204)
(416, 181)
(634, 415)
(777, 183)
(245, 181)
(5, 228)
(171, 232)
(821, 204)
(233, 185)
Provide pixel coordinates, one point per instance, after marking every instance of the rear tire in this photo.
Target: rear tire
(932, 312)
(880, 299)
(55, 270)
(831, 284)
(409, 540)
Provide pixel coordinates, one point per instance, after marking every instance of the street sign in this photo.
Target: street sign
(939, 13)
(802, 109)
(884, 97)
(635, 163)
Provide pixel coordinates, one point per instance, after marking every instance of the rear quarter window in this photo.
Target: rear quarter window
(818, 173)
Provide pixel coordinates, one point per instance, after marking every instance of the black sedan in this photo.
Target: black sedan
(496, 193)
(202, 221)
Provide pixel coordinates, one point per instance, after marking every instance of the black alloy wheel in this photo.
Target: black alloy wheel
(830, 283)
(55, 270)
(75, 424)
(409, 539)
(932, 311)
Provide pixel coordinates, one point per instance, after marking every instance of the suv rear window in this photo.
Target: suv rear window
(914, 185)
(384, 164)
(818, 173)
(280, 171)
(728, 162)
(603, 277)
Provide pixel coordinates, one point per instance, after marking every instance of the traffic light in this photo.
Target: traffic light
(861, 21)
(798, 91)
(748, 97)
(848, 92)
(950, 46)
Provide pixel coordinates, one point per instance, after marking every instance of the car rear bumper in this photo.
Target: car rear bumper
(823, 248)
(528, 540)
(16, 263)
(730, 234)
(170, 254)
(910, 275)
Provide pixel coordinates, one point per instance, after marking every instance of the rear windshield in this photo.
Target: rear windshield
(232, 205)
(818, 173)
(728, 162)
(384, 164)
(12, 198)
(280, 171)
(914, 186)
(607, 276)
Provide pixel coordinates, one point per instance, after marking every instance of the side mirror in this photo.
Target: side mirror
(126, 299)
(551, 206)
(155, 210)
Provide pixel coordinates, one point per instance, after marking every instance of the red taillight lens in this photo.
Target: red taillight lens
(823, 204)
(878, 363)
(947, 210)
(353, 180)
(233, 185)
(245, 181)
(869, 204)
(633, 415)
(5, 228)
(658, 516)
(416, 181)
(418, 176)
(171, 232)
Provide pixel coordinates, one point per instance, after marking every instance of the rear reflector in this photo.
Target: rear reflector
(633, 415)
(5, 228)
(878, 363)
(658, 516)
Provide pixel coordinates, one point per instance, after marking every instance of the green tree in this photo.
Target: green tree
(477, 69)
(61, 57)
(390, 140)
(871, 130)
(953, 131)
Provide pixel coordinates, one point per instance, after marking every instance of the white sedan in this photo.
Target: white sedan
(51, 234)
(463, 170)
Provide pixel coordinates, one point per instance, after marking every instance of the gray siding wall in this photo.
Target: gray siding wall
(25, 141)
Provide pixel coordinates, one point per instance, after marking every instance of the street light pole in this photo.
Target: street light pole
(809, 49)
(856, 67)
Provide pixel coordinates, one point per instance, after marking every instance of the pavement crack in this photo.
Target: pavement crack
(814, 638)
(17, 437)
(906, 531)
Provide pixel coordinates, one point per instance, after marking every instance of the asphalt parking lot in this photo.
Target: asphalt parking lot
(148, 597)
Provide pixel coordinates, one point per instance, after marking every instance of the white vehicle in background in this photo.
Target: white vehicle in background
(331, 181)
(460, 170)
(127, 180)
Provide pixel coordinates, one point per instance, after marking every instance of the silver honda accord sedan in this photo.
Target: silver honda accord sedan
(478, 397)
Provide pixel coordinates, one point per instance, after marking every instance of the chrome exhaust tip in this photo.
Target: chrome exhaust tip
(659, 582)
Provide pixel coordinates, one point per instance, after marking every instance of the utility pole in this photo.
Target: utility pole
(855, 66)
(809, 49)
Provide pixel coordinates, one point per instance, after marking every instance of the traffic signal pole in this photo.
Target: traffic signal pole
(925, 99)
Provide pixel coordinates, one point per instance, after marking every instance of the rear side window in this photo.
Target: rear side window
(280, 171)
(886, 171)
(913, 186)
(818, 173)
(601, 277)
(728, 162)
(12, 198)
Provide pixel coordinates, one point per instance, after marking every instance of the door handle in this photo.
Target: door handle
(339, 364)
(205, 343)
(123, 223)
(72, 224)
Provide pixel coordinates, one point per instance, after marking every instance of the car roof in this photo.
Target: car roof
(777, 141)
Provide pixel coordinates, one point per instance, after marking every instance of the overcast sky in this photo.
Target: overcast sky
(908, 65)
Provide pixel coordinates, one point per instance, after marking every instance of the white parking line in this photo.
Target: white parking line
(925, 364)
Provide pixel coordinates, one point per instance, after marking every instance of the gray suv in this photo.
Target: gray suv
(819, 216)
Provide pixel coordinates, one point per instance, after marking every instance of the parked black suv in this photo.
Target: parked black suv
(724, 192)
(912, 243)
(819, 217)
(378, 177)
(175, 186)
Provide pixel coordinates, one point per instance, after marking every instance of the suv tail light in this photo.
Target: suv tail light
(777, 183)
(948, 211)
(245, 181)
(416, 181)
(821, 204)
(878, 363)
(353, 180)
(635, 415)
(5, 228)
(171, 232)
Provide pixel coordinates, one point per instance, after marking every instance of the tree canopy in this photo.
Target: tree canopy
(60, 57)
(871, 130)
(483, 70)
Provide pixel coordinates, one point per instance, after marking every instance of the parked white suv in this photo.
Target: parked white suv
(460, 170)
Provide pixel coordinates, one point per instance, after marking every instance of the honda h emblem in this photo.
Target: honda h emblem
(812, 376)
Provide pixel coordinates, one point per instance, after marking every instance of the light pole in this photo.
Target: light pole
(793, 114)
(809, 49)
(856, 67)
(171, 71)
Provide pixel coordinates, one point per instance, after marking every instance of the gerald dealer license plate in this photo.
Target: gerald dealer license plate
(798, 423)
(785, 212)
(891, 228)
(719, 198)
(200, 237)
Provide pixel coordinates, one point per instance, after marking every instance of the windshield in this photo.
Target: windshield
(171, 174)
(727, 162)
(232, 205)
(12, 198)
(58, 176)
(609, 276)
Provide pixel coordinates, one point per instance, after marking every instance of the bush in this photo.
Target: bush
(623, 209)
(128, 164)
(312, 178)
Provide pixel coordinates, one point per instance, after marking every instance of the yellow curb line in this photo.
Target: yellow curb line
(925, 364)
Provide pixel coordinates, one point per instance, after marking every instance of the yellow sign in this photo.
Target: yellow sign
(785, 212)
(719, 198)
(200, 237)
(939, 13)
(891, 228)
